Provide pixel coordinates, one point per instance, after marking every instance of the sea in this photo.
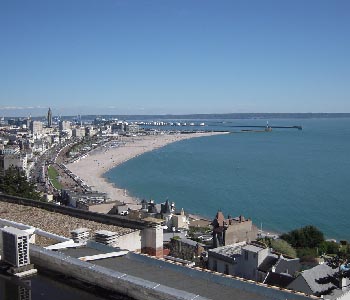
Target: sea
(282, 180)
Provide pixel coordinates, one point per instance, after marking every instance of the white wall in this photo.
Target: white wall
(130, 241)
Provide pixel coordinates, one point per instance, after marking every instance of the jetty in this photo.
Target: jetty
(261, 126)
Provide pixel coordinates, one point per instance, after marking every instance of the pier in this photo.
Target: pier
(257, 126)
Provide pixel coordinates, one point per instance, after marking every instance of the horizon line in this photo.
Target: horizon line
(193, 114)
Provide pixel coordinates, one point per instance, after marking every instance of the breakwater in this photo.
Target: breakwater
(258, 126)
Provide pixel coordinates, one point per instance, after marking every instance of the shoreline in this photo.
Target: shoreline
(98, 162)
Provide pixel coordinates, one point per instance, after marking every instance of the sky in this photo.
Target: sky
(174, 56)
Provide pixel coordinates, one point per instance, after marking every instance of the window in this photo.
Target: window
(246, 255)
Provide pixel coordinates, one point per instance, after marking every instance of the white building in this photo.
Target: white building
(250, 261)
(78, 132)
(36, 127)
(64, 125)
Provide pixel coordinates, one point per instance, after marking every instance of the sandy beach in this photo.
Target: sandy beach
(92, 167)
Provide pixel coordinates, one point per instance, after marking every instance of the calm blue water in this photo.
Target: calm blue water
(284, 179)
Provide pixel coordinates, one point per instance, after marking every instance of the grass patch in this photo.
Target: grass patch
(53, 175)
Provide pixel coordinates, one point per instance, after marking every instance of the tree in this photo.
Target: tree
(329, 247)
(283, 247)
(344, 252)
(305, 237)
(307, 255)
(15, 183)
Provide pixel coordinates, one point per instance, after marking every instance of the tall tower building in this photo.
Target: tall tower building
(49, 118)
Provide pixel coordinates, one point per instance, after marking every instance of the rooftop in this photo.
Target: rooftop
(282, 280)
(253, 248)
(53, 222)
(229, 250)
(268, 262)
(155, 270)
(313, 276)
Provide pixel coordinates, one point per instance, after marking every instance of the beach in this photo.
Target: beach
(92, 167)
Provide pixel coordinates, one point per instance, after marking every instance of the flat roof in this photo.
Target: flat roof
(81, 251)
(229, 250)
(180, 280)
(177, 280)
(253, 248)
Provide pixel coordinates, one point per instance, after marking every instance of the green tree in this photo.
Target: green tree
(329, 247)
(307, 254)
(305, 237)
(283, 247)
(14, 182)
(344, 252)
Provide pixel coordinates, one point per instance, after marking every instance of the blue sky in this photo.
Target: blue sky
(174, 56)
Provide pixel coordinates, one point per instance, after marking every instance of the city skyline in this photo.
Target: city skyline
(183, 57)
